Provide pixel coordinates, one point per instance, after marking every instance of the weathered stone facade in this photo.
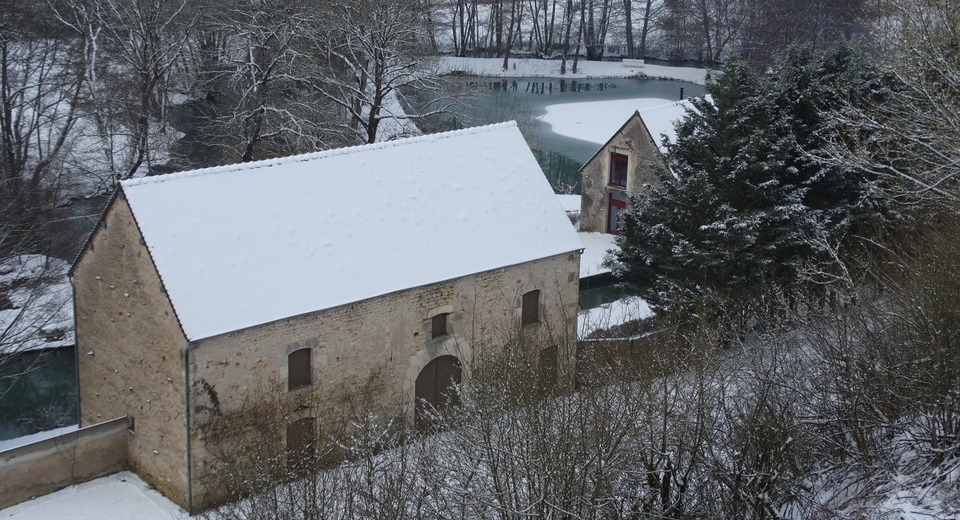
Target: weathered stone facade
(645, 167)
(134, 359)
(371, 352)
(129, 350)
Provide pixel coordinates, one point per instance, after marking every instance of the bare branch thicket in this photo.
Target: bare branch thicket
(41, 80)
(908, 135)
(260, 104)
(132, 50)
(372, 55)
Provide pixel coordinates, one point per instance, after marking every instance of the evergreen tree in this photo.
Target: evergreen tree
(747, 207)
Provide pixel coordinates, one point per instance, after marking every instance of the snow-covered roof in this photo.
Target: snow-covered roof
(595, 247)
(661, 120)
(247, 244)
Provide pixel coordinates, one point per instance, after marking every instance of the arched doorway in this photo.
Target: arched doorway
(435, 387)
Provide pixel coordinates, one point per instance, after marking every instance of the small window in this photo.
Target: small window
(618, 203)
(438, 328)
(298, 369)
(530, 312)
(618, 170)
(300, 445)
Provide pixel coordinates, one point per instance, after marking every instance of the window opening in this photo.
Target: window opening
(438, 326)
(618, 170)
(530, 312)
(298, 369)
(300, 445)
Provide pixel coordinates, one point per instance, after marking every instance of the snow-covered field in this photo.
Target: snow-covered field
(537, 68)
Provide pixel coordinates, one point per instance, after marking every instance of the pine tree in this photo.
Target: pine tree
(748, 207)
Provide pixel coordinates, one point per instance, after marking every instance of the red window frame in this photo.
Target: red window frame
(618, 170)
(615, 206)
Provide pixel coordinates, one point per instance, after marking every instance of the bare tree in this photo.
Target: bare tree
(145, 38)
(908, 135)
(259, 80)
(595, 16)
(464, 26)
(370, 52)
(41, 79)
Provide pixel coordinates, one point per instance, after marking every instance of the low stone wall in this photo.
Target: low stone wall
(601, 360)
(48, 465)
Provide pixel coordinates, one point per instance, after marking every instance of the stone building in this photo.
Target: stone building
(630, 162)
(379, 269)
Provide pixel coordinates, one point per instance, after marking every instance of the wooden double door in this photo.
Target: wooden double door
(436, 388)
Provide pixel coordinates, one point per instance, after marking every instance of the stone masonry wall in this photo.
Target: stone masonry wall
(77, 456)
(129, 346)
(367, 355)
(644, 167)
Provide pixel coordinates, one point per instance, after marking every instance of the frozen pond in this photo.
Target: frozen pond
(565, 120)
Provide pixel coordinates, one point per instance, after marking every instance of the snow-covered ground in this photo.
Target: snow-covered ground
(570, 203)
(121, 496)
(612, 314)
(33, 304)
(537, 68)
(594, 121)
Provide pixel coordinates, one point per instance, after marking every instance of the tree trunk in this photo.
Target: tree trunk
(628, 26)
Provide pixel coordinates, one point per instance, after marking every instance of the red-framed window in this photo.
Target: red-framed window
(618, 170)
(615, 208)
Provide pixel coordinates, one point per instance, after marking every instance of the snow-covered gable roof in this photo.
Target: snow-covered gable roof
(660, 121)
(248, 244)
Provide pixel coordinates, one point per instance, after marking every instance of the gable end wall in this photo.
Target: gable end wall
(645, 165)
(129, 346)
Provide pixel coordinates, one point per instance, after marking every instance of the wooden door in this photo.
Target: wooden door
(435, 387)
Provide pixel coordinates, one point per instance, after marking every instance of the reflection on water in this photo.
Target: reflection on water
(598, 290)
(492, 100)
(562, 172)
(43, 397)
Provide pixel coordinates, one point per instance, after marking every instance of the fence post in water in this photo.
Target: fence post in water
(681, 93)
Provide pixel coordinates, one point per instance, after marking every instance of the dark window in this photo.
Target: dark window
(300, 445)
(438, 327)
(618, 203)
(530, 312)
(618, 170)
(298, 369)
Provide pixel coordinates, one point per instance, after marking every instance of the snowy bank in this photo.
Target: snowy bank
(36, 298)
(612, 314)
(537, 68)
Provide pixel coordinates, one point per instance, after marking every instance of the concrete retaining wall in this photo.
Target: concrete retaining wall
(48, 465)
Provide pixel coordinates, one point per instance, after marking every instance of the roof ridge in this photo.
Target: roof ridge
(664, 105)
(310, 156)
